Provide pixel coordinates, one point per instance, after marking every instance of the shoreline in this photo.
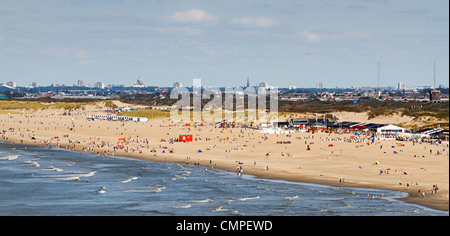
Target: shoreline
(259, 154)
(436, 204)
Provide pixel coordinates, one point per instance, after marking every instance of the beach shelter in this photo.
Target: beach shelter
(186, 138)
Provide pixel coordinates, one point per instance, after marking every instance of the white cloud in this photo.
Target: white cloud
(192, 16)
(317, 38)
(170, 29)
(255, 21)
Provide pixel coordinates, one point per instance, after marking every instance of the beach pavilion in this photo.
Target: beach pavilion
(390, 131)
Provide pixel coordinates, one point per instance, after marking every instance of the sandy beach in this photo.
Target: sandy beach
(333, 159)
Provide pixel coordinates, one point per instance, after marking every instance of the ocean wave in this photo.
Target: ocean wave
(52, 168)
(221, 209)
(248, 198)
(9, 157)
(102, 190)
(207, 200)
(71, 177)
(184, 206)
(32, 163)
(155, 189)
(291, 198)
(178, 177)
(129, 180)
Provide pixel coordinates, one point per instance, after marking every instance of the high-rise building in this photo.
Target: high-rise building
(177, 85)
(99, 85)
(11, 84)
(319, 85)
(263, 85)
(248, 82)
(80, 83)
(139, 83)
(401, 86)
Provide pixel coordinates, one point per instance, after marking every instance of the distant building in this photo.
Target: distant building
(248, 82)
(99, 85)
(401, 86)
(435, 96)
(292, 87)
(139, 83)
(80, 83)
(177, 85)
(34, 85)
(319, 85)
(11, 84)
(263, 85)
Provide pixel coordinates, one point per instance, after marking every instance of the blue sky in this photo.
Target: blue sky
(283, 43)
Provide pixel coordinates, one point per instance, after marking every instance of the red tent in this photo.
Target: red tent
(186, 137)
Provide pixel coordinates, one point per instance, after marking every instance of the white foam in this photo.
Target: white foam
(52, 168)
(207, 200)
(72, 177)
(33, 163)
(184, 206)
(248, 198)
(129, 180)
(9, 157)
(291, 198)
(221, 209)
(102, 190)
(157, 189)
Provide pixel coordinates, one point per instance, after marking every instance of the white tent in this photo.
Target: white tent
(390, 130)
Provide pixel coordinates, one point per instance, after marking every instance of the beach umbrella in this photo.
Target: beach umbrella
(199, 150)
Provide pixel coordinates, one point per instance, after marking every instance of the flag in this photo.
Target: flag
(316, 117)
(323, 117)
(355, 101)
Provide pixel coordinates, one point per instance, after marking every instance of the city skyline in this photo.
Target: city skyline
(141, 84)
(282, 43)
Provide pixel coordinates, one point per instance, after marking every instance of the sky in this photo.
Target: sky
(224, 42)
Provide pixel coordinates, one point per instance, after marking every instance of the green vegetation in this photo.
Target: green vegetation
(374, 108)
(148, 113)
(42, 105)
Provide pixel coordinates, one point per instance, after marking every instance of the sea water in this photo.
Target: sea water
(38, 180)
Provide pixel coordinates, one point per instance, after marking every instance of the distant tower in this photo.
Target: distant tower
(248, 82)
(434, 75)
(378, 85)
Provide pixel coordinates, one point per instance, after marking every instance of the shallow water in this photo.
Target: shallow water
(36, 180)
